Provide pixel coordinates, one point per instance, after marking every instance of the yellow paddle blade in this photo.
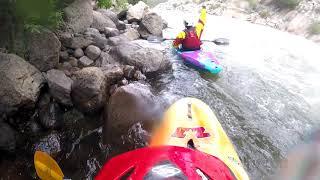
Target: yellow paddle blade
(46, 167)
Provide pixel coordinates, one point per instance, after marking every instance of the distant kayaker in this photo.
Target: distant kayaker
(189, 39)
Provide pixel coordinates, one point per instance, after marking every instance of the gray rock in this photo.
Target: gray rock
(126, 22)
(100, 21)
(92, 52)
(123, 82)
(91, 32)
(105, 59)
(50, 116)
(121, 25)
(76, 42)
(60, 86)
(128, 105)
(78, 15)
(73, 61)
(139, 76)
(44, 55)
(64, 56)
(89, 90)
(151, 24)
(136, 12)
(84, 61)
(110, 32)
(50, 144)
(111, 15)
(131, 34)
(128, 71)
(7, 138)
(78, 53)
(113, 73)
(100, 41)
(117, 40)
(66, 65)
(21, 83)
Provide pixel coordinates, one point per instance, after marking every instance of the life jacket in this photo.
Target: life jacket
(191, 41)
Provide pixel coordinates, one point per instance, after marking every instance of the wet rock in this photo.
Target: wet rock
(123, 82)
(129, 105)
(85, 61)
(50, 144)
(64, 56)
(148, 60)
(121, 25)
(7, 138)
(131, 34)
(60, 86)
(128, 71)
(43, 55)
(89, 89)
(136, 12)
(33, 128)
(108, 13)
(78, 53)
(91, 32)
(122, 15)
(111, 32)
(78, 16)
(100, 21)
(92, 52)
(21, 83)
(105, 59)
(117, 40)
(151, 24)
(73, 61)
(113, 73)
(50, 116)
(139, 76)
(137, 137)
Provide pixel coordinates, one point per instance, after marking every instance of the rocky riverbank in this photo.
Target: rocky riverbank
(97, 66)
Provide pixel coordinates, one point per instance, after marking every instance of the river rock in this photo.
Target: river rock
(148, 60)
(78, 53)
(64, 56)
(78, 16)
(85, 61)
(7, 138)
(60, 86)
(50, 144)
(117, 40)
(139, 76)
(151, 24)
(21, 83)
(43, 55)
(74, 42)
(113, 73)
(90, 32)
(100, 41)
(100, 21)
(128, 105)
(110, 32)
(50, 115)
(131, 34)
(128, 71)
(105, 59)
(122, 15)
(93, 52)
(73, 61)
(89, 89)
(136, 12)
(121, 25)
(111, 15)
(123, 82)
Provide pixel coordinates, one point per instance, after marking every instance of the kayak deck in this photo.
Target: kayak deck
(190, 122)
(202, 60)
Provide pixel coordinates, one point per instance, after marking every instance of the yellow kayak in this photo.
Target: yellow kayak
(191, 123)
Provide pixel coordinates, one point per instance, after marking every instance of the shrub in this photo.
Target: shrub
(104, 3)
(314, 28)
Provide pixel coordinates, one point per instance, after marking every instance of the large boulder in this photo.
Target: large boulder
(7, 138)
(78, 16)
(21, 83)
(136, 12)
(131, 34)
(60, 86)
(100, 21)
(151, 24)
(127, 106)
(44, 55)
(89, 89)
(148, 60)
(111, 15)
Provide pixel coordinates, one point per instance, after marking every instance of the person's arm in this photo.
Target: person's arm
(202, 21)
(181, 36)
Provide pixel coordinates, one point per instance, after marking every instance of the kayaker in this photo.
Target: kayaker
(189, 39)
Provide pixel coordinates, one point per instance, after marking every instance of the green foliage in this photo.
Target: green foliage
(122, 4)
(314, 28)
(253, 3)
(104, 3)
(289, 4)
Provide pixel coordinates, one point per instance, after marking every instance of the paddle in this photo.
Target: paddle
(46, 167)
(218, 41)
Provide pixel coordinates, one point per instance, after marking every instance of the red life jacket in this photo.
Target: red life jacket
(191, 42)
